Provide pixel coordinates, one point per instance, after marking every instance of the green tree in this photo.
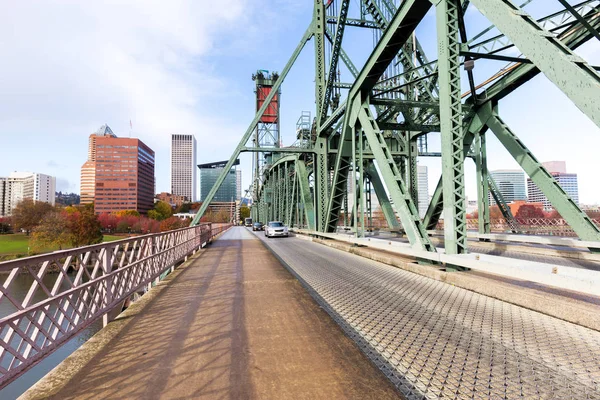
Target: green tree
(53, 231)
(162, 210)
(244, 212)
(28, 214)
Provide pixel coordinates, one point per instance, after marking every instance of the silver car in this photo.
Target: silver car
(276, 228)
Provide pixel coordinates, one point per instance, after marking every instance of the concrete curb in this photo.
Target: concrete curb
(558, 306)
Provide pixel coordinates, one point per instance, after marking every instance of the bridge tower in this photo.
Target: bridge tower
(266, 134)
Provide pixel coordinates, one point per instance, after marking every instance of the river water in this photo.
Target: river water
(19, 288)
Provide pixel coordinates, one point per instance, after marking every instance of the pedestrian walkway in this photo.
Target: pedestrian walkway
(232, 324)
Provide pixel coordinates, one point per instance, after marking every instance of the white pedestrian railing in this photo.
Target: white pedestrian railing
(71, 289)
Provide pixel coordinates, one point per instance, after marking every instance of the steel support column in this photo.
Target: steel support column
(455, 227)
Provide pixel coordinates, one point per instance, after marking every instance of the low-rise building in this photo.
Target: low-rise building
(173, 199)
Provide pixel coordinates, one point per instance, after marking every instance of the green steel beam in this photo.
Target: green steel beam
(520, 74)
(502, 205)
(569, 72)
(406, 19)
(435, 208)
(560, 200)
(481, 173)
(384, 201)
(250, 130)
(335, 56)
(403, 203)
(305, 195)
(453, 185)
(341, 170)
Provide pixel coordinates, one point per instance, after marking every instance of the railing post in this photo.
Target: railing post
(107, 269)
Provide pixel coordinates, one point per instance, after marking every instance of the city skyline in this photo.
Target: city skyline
(187, 70)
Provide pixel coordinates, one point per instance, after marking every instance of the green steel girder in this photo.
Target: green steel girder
(502, 205)
(305, 194)
(482, 175)
(403, 203)
(384, 201)
(335, 56)
(341, 169)
(560, 200)
(408, 16)
(250, 130)
(453, 185)
(569, 72)
(520, 74)
(514, 79)
(435, 208)
(318, 29)
(343, 55)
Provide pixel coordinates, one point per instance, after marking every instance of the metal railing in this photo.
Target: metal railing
(529, 226)
(71, 289)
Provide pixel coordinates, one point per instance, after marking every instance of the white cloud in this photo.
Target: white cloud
(69, 65)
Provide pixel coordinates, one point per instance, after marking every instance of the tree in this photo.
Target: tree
(84, 226)
(127, 213)
(171, 223)
(555, 215)
(5, 225)
(529, 211)
(53, 231)
(495, 212)
(244, 212)
(28, 214)
(184, 208)
(162, 210)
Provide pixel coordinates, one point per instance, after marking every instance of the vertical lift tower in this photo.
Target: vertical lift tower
(266, 135)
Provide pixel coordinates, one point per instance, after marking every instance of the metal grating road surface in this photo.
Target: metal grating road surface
(434, 340)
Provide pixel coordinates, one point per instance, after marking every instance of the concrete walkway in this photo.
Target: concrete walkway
(232, 324)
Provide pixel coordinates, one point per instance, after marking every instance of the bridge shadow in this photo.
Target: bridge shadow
(188, 342)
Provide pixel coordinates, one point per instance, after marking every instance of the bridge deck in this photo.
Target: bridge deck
(232, 324)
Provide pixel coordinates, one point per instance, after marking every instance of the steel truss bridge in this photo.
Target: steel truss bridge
(373, 122)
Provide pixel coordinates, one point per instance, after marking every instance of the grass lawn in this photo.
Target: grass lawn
(15, 245)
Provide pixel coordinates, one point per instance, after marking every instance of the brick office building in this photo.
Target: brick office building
(124, 175)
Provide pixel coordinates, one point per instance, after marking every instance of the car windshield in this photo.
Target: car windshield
(275, 224)
(257, 224)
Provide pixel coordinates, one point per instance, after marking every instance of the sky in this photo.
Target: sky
(181, 66)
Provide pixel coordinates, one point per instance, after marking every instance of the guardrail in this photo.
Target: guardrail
(71, 289)
(564, 277)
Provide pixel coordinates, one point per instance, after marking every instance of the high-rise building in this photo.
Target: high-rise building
(25, 185)
(423, 189)
(183, 166)
(567, 181)
(88, 169)
(510, 183)
(230, 190)
(124, 175)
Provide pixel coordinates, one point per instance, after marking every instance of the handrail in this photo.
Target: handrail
(73, 288)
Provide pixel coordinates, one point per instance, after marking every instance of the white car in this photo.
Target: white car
(276, 228)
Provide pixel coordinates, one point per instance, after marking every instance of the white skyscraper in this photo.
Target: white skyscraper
(25, 185)
(183, 166)
(567, 181)
(423, 187)
(511, 184)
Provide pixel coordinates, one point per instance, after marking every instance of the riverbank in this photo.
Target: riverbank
(16, 245)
